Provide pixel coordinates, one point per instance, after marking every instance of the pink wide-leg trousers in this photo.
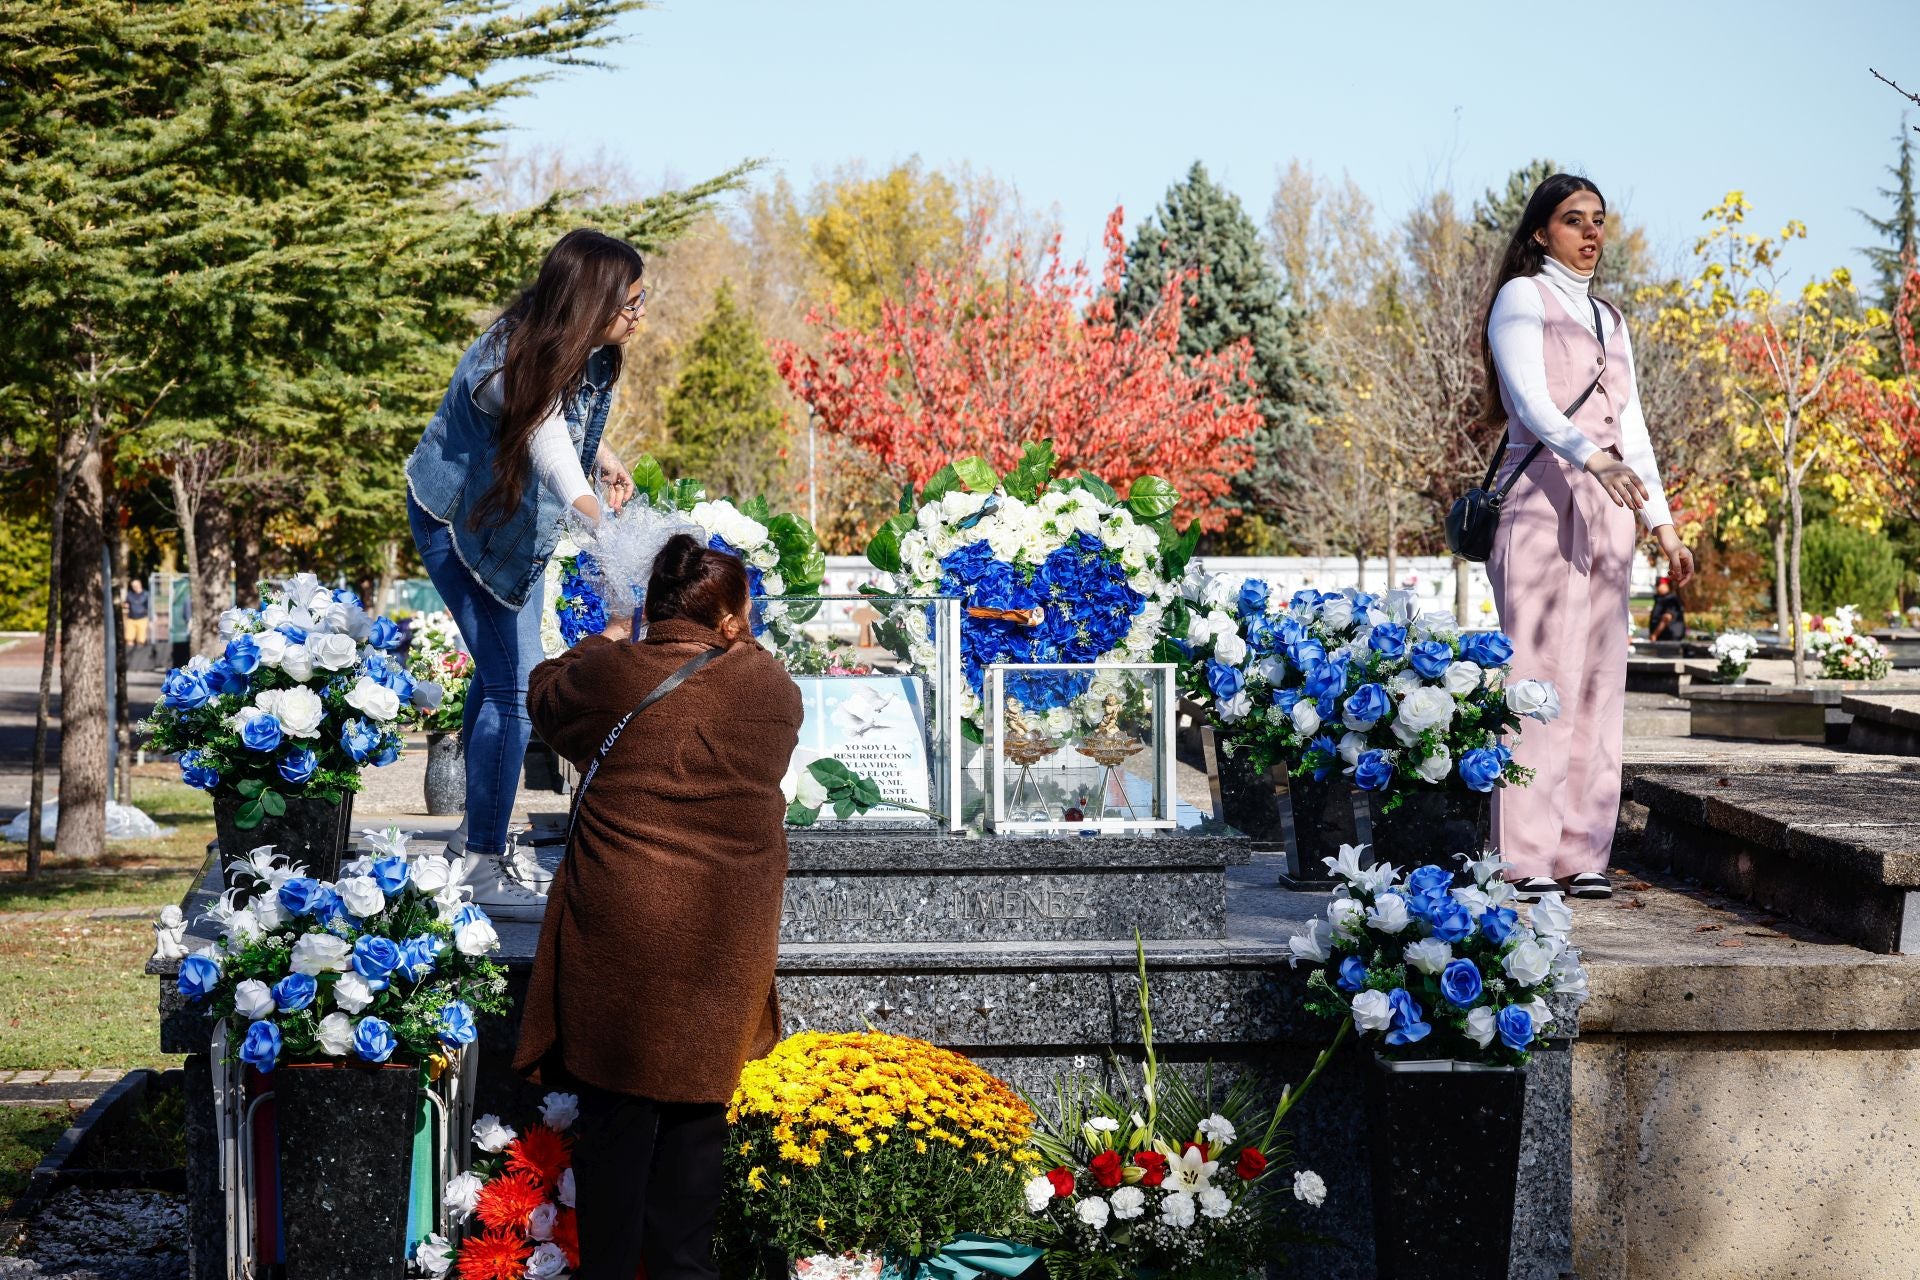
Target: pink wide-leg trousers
(1560, 568)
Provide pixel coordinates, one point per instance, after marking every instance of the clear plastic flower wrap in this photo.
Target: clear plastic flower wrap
(616, 556)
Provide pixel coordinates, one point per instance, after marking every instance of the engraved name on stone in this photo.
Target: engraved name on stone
(974, 900)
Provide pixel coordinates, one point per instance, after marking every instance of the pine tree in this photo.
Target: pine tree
(1234, 294)
(724, 421)
(1900, 229)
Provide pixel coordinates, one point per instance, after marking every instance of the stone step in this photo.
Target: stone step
(1887, 723)
(1839, 852)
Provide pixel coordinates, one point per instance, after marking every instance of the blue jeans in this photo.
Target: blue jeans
(505, 644)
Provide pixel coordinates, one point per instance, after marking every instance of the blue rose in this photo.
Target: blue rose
(418, 954)
(1322, 753)
(196, 773)
(373, 1040)
(1488, 648)
(243, 654)
(1305, 653)
(1285, 699)
(1498, 923)
(1452, 922)
(360, 739)
(1409, 1022)
(1367, 706)
(1430, 881)
(1262, 636)
(1480, 768)
(199, 975)
(1388, 640)
(1353, 974)
(391, 875)
(456, 1024)
(300, 895)
(374, 957)
(1515, 1026)
(1431, 658)
(296, 635)
(1502, 753)
(1225, 681)
(185, 690)
(295, 992)
(297, 766)
(261, 1049)
(1373, 771)
(1328, 705)
(1325, 676)
(385, 635)
(389, 751)
(1460, 982)
(261, 732)
(1253, 597)
(222, 678)
(1304, 601)
(343, 596)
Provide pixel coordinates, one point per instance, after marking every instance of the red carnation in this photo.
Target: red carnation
(1152, 1166)
(1062, 1181)
(1109, 1170)
(1251, 1164)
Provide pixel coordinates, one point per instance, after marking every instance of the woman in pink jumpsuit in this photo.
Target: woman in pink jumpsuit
(1564, 550)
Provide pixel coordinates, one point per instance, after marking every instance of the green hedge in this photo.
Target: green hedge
(1841, 565)
(24, 553)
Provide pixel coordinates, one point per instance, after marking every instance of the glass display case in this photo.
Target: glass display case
(1079, 747)
(879, 678)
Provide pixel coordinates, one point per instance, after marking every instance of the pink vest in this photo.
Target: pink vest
(1573, 356)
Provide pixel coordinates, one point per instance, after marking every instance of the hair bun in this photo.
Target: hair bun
(679, 561)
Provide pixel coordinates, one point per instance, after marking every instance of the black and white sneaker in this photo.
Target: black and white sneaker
(1590, 884)
(1533, 888)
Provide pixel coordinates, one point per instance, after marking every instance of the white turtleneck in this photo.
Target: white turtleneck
(1516, 334)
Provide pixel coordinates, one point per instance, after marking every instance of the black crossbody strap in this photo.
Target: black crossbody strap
(661, 690)
(1493, 467)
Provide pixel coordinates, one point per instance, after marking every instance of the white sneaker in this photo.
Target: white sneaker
(507, 886)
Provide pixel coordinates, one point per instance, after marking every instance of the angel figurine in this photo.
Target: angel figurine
(1110, 747)
(1026, 745)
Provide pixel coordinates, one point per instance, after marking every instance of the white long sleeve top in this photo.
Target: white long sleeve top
(1515, 333)
(556, 461)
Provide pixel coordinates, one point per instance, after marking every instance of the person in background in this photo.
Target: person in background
(504, 458)
(139, 613)
(1669, 618)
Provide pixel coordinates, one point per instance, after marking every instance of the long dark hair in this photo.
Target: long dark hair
(692, 580)
(551, 329)
(1523, 257)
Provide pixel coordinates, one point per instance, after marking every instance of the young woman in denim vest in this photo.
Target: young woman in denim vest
(1563, 554)
(510, 449)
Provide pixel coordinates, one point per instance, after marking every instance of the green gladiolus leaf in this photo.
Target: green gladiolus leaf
(1151, 497)
(977, 474)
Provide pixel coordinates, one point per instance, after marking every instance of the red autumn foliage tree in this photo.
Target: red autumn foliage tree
(977, 362)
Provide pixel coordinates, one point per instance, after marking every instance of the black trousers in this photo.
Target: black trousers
(647, 1181)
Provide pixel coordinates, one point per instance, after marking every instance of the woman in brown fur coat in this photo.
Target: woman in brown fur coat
(654, 979)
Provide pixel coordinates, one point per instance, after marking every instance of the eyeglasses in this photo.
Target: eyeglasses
(633, 310)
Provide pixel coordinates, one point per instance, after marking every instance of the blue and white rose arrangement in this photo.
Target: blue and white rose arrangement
(307, 692)
(388, 962)
(1427, 967)
(1356, 683)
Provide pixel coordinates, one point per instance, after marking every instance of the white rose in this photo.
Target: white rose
(1230, 648)
(1404, 682)
(273, 614)
(958, 504)
(764, 557)
(301, 587)
(1570, 976)
(241, 926)
(1309, 1188)
(772, 584)
(300, 711)
(1093, 1211)
(1389, 914)
(1176, 1210)
(297, 662)
(1480, 1026)
(1214, 1203)
(461, 1195)
(273, 647)
(233, 622)
(448, 902)
(1534, 699)
(352, 993)
(1552, 917)
(566, 1188)
(1425, 708)
(335, 1034)
(253, 1000)
(558, 1111)
(1460, 678)
(430, 874)
(1129, 1203)
(490, 1135)
(1351, 745)
(1336, 613)
(1437, 766)
(1346, 916)
(317, 953)
(546, 1263)
(1314, 945)
(1429, 955)
(361, 896)
(434, 1255)
(1475, 900)
(1306, 717)
(1371, 1012)
(1537, 1010)
(1272, 670)
(1220, 592)
(475, 937)
(540, 1221)
(1039, 1192)
(1236, 708)
(1528, 963)
(373, 699)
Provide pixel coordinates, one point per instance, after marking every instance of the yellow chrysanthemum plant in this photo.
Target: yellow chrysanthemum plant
(868, 1143)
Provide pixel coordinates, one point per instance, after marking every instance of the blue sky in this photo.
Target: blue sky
(1084, 105)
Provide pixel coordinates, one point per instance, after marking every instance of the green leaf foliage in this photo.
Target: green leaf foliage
(883, 552)
(977, 474)
(650, 480)
(1150, 498)
(724, 419)
(939, 485)
(1035, 469)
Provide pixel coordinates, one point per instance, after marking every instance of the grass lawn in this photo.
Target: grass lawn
(72, 993)
(27, 1133)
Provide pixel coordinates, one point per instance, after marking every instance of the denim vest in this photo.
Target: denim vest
(453, 466)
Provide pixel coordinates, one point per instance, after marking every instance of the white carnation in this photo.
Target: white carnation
(1309, 1188)
(1214, 1203)
(1093, 1211)
(1129, 1203)
(1039, 1193)
(1176, 1210)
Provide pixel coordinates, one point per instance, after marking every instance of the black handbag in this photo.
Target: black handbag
(1475, 515)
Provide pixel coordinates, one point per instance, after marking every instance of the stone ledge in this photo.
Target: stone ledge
(893, 851)
(1849, 826)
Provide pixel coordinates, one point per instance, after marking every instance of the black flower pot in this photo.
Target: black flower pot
(1429, 825)
(312, 832)
(1444, 1140)
(446, 786)
(346, 1167)
(1304, 819)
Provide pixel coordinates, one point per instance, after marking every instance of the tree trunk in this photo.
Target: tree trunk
(389, 570)
(1393, 546)
(213, 573)
(1461, 583)
(249, 527)
(1780, 602)
(1798, 513)
(1360, 567)
(82, 828)
(186, 506)
(37, 792)
(114, 507)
